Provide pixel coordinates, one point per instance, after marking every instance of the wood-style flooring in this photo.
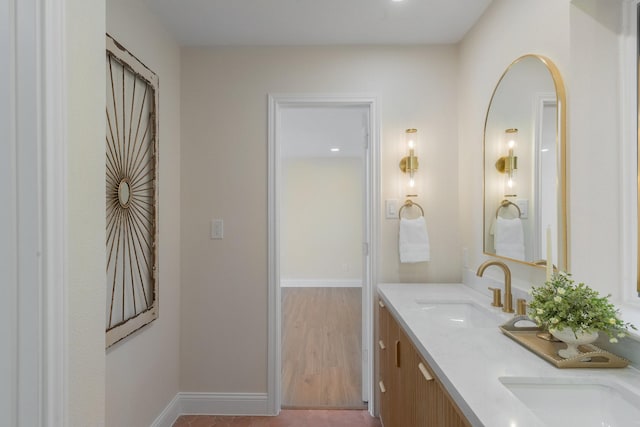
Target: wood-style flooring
(322, 348)
(287, 418)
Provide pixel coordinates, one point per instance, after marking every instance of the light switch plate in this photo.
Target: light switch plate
(391, 208)
(523, 204)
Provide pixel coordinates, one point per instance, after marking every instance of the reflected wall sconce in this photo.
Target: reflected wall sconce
(409, 163)
(508, 164)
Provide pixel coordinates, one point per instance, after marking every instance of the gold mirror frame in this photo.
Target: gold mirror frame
(561, 150)
(638, 156)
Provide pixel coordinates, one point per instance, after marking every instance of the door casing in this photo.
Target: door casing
(372, 186)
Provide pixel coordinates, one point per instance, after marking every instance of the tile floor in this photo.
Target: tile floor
(287, 418)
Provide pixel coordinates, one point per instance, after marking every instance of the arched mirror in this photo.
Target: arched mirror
(524, 165)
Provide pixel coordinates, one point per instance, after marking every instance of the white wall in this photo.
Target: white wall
(321, 221)
(322, 204)
(596, 143)
(224, 155)
(85, 206)
(143, 369)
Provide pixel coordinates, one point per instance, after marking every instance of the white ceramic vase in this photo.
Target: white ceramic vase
(573, 340)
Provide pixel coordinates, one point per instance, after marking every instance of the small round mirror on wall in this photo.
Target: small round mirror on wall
(525, 213)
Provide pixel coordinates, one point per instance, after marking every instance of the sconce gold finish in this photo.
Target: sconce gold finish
(409, 164)
(506, 164)
(509, 164)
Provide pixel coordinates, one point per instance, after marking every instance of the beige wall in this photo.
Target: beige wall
(85, 207)
(143, 369)
(321, 220)
(224, 155)
(582, 38)
(595, 129)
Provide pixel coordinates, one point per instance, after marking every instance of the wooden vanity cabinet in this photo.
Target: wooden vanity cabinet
(410, 393)
(389, 336)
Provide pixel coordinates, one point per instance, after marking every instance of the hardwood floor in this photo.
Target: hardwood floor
(321, 348)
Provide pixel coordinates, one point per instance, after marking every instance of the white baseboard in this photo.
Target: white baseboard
(224, 403)
(185, 403)
(170, 414)
(321, 283)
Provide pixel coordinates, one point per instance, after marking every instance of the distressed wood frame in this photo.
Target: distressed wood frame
(135, 220)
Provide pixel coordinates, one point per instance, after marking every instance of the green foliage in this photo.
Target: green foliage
(560, 304)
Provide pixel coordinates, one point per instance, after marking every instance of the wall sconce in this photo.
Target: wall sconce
(508, 164)
(409, 164)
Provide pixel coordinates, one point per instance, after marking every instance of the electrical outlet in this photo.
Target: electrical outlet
(523, 205)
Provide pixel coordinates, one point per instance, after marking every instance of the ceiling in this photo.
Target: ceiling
(317, 22)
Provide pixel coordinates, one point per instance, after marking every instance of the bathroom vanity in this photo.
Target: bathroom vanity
(411, 394)
(444, 362)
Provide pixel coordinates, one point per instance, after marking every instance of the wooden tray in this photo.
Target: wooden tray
(544, 345)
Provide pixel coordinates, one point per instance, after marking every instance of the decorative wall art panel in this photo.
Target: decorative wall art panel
(132, 193)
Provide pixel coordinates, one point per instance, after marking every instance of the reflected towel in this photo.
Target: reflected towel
(509, 238)
(413, 240)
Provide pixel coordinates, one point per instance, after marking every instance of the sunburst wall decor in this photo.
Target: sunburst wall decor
(132, 193)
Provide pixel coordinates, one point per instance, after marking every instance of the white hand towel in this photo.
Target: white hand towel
(413, 240)
(509, 238)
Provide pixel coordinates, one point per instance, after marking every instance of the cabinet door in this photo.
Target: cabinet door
(427, 394)
(435, 408)
(389, 381)
(408, 405)
(410, 394)
(386, 347)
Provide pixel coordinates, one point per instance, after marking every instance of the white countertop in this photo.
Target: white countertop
(469, 361)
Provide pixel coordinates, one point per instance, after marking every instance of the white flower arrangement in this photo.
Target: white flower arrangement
(560, 304)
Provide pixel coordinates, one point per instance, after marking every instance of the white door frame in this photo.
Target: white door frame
(32, 188)
(276, 103)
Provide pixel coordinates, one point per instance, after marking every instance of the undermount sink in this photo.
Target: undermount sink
(460, 314)
(585, 402)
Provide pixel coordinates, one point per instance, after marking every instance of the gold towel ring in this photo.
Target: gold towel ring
(505, 204)
(408, 204)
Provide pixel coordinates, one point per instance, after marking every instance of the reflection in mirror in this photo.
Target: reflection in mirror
(524, 164)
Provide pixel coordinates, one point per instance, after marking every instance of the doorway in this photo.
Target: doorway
(322, 152)
(546, 166)
(322, 243)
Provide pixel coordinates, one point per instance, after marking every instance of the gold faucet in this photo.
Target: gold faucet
(508, 298)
